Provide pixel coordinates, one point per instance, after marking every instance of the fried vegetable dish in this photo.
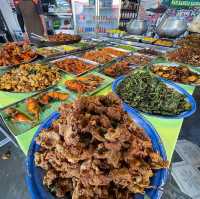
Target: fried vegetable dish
(29, 78)
(114, 51)
(137, 59)
(181, 74)
(192, 40)
(186, 55)
(117, 69)
(98, 56)
(64, 37)
(150, 51)
(74, 66)
(84, 84)
(145, 92)
(96, 151)
(14, 54)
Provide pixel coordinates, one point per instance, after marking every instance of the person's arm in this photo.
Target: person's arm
(40, 13)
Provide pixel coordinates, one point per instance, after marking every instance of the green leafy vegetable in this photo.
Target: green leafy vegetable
(144, 91)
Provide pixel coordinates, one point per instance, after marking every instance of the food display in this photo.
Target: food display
(48, 51)
(29, 78)
(85, 44)
(162, 42)
(15, 53)
(114, 51)
(133, 37)
(95, 151)
(85, 145)
(192, 40)
(74, 65)
(28, 113)
(127, 47)
(62, 37)
(138, 59)
(181, 74)
(67, 48)
(145, 92)
(117, 69)
(149, 39)
(185, 55)
(115, 33)
(84, 84)
(17, 116)
(150, 51)
(98, 56)
(34, 105)
(104, 55)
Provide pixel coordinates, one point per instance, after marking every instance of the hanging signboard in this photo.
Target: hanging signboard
(185, 3)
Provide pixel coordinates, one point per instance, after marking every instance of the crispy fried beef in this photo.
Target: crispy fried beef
(95, 151)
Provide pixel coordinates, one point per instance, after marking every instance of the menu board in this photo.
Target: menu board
(188, 3)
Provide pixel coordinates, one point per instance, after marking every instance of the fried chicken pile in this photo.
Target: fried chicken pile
(29, 78)
(14, 54)
(95, 150)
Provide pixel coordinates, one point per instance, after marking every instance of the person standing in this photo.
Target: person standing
(33, 17)
(20, 19)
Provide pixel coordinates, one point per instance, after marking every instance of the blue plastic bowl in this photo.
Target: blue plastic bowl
(34, 174)
(189, 98)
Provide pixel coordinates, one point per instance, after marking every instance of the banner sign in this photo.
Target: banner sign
(183, 3)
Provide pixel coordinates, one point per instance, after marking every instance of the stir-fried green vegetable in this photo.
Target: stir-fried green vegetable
(147, 93)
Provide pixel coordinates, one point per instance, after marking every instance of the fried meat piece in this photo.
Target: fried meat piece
(49, 177)
(40, 160)
(48, 139)
(89, 177)
(90, 192)
(62, 186)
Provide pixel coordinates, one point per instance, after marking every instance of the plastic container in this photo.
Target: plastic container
(35, 174)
